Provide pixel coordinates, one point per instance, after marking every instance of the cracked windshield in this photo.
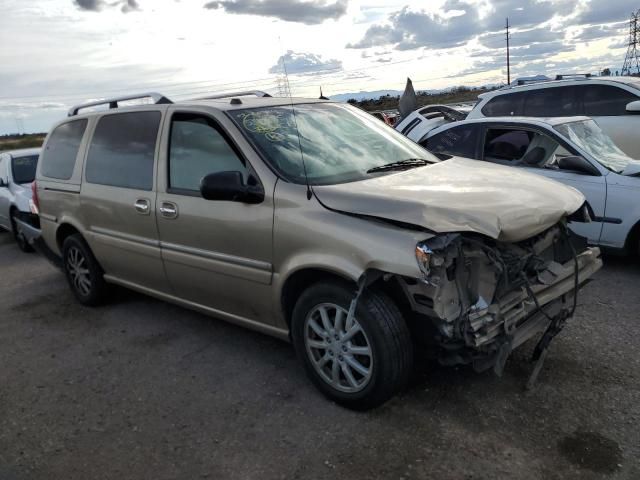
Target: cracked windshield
(338, 143)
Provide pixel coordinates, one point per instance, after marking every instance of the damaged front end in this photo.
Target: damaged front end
(486, 297)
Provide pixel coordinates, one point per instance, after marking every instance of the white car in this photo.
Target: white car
(573, 151)
(418, 123)
(17, 173)
(613, 102)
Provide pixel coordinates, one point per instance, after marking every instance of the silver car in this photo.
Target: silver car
(17, 173)
(314, 222)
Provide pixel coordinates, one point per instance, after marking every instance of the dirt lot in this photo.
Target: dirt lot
(140, 389)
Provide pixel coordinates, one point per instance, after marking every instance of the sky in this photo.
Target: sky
(57, 53)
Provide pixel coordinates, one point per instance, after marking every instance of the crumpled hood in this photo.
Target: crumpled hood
(460, 195)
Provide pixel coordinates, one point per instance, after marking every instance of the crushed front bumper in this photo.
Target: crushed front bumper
(477, 319)
(517, 317)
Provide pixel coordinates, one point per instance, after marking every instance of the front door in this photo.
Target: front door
(536, 151)
(118, 198)
(216, 254)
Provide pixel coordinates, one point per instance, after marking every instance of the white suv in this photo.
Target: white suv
(613, 102)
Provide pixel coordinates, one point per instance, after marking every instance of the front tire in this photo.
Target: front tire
(84, 274)
(19, 237)
(359, 363)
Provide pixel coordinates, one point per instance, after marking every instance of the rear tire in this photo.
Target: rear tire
(357, 370)
(19, 236)
(83, 272)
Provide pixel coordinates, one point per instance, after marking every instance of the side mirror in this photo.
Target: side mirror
(230, 187)
(577, 164)
(634, 107)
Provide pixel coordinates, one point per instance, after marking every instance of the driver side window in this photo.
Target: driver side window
(518, 147)
(198, 148)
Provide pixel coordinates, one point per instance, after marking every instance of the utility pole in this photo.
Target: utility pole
(508, 59)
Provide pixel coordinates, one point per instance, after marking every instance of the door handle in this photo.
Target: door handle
(142, 206)
(169, 210)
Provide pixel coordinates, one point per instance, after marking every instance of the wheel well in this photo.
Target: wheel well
(302, 279)
(64, 231)
(299, 281)
(633, 239)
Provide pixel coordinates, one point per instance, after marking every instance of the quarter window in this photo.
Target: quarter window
(59, 157)
(123, 149)
(460, 141)
(606, 101)
(197, 149)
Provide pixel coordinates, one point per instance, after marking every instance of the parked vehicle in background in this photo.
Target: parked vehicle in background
(574, 151)
(17, 172)
(388, 117)
(418, 123)
(613, 102)
(312, 221)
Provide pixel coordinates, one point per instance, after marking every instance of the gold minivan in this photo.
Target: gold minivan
(313, 222)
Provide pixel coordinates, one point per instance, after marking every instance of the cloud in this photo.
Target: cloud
(305, 64)
(91, 5)
(130, 6)
(521, 38)
(599, 11)
(458, 22)
(310, 12)
(126, 6)
(598, 32)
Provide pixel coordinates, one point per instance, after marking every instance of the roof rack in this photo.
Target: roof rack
(246, 93)
(113, 102)
(527, 81)
(573, 75)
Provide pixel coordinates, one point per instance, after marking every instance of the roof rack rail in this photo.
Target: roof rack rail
(527, 81)
(113, 102)
(573, 75)
(246, 93)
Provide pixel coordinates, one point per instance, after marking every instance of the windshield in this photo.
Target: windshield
(588, 135)
(24, 169)
(339, 143)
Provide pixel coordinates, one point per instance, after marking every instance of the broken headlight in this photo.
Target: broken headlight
(427, 259)
(423, 256)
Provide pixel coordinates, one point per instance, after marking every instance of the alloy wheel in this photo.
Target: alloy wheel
(338, 348)
(79, 271)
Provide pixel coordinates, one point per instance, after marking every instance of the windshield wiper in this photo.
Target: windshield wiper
(401, 165)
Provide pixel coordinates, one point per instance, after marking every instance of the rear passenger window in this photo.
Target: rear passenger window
(59, 156)
(504, 105)
(552, 102)
(606, 101)
(122, 150)
(459, 141)
(197, 149)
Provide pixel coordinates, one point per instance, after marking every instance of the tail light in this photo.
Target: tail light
(34, 203)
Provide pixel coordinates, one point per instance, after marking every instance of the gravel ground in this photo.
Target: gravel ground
(140, 389)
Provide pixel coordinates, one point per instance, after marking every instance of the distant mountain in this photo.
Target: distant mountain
(343, 97)
(374, 95)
